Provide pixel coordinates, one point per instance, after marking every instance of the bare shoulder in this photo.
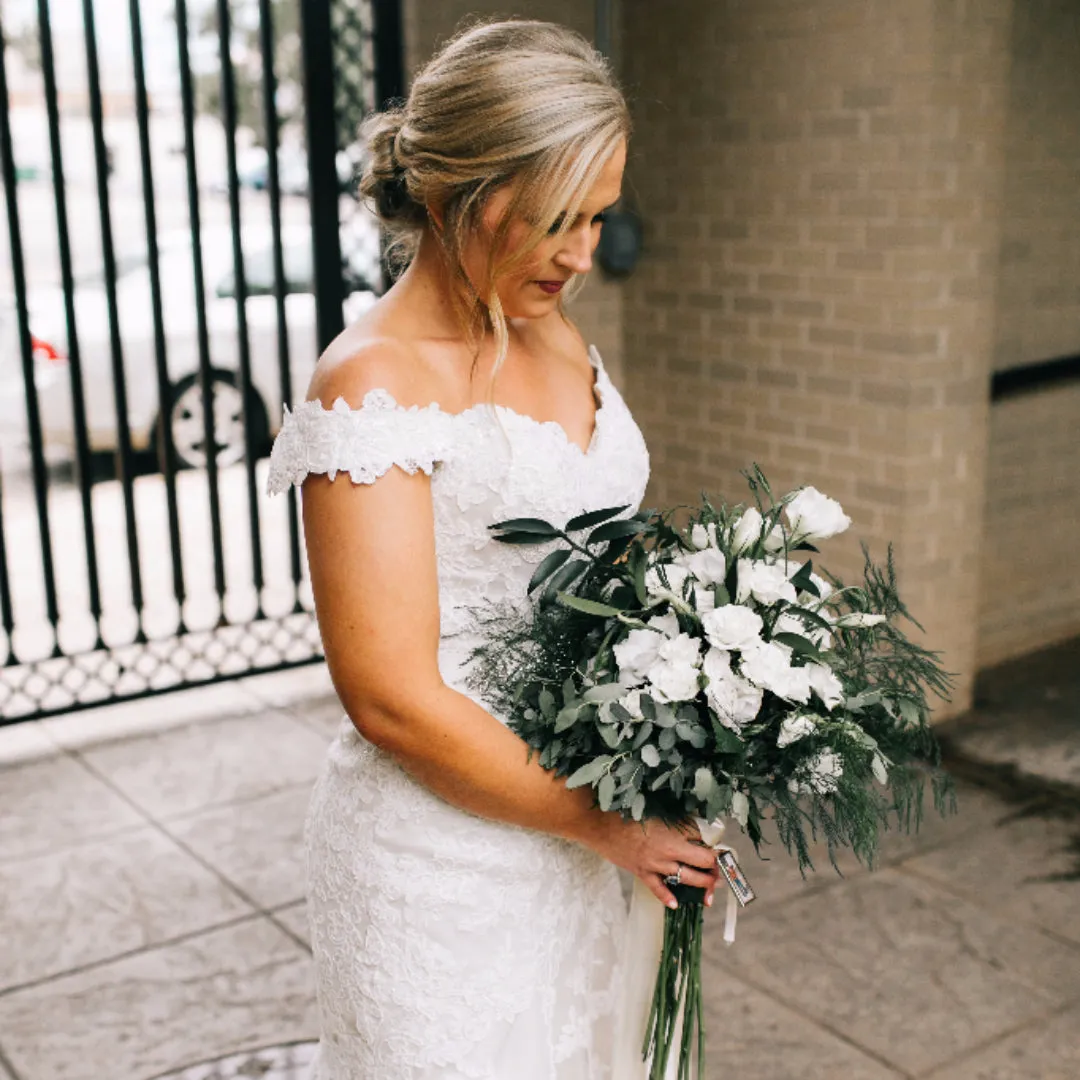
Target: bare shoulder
(357, 361)
(556, 335)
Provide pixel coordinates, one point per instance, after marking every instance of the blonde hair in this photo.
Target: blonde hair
(519, 101)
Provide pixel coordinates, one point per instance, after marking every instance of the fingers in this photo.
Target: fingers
(703, 858)
(697, 878)
(656, 885)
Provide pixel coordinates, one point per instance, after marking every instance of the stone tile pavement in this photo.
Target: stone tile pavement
(152, 917)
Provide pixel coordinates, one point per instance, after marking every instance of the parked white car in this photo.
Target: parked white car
(183, 407)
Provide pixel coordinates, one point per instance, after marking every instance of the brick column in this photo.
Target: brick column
(821, 186)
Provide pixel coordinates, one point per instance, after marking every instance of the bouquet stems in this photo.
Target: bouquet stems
(676, 1013)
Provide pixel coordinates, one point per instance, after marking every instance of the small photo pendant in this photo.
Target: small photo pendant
(736, 879)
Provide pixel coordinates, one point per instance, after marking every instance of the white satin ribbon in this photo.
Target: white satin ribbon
(642, 946)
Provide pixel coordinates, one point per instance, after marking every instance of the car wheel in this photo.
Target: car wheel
(185, 419)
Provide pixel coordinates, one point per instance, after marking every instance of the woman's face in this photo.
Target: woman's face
(532, 289)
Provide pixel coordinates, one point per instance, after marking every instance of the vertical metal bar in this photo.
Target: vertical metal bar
(7, 616)
(318, 56)
(166, 450)
(124, 456)
(228, 109)
(187, 100)
(67, 279)
(270, 117)
(388, 47)
(26, 349)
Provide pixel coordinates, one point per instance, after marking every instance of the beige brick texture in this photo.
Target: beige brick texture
(598, 308)
(1030, 593)
(821, 185)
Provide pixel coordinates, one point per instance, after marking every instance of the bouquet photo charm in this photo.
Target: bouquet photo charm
(706, 673)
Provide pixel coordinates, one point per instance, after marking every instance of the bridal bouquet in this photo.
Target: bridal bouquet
(709, 671)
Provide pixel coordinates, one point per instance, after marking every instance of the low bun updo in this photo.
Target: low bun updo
(515, 100)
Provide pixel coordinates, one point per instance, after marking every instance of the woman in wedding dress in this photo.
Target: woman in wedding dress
(466, 911)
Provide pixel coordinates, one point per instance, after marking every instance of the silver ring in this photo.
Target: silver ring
(676, 878)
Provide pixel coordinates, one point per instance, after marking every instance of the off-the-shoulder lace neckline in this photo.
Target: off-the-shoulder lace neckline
(380, 398)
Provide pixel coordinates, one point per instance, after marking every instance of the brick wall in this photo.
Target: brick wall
(1030, 593)
(821, 185)
(1030, 584)
(598, 309)
(1039, 292)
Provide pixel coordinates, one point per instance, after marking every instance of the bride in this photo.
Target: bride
(466, 911)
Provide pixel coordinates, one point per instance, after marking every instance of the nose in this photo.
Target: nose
(575, 254)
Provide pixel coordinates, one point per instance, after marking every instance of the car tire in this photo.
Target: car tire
(185, 419)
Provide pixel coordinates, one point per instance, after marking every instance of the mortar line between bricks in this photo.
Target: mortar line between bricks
(961, 894)
(823, 1025)
(977, 1048)
(166, 943)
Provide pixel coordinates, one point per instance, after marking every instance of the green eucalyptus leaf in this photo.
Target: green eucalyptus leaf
(609, 733)
(665, 714)
(615, 530)
(551, 563)
(727, 742)
(648, 707)
(704, 783)
(637, 807)
(522, 537)
(589, 607)
(643, 733)
(660, 781)
(591, 772)
(650, 755)
(567, 717)
(546, 701)
(593, 517)
(525, 524)
(597, 695)
(797, 643)
(667, 738)
(606, 791)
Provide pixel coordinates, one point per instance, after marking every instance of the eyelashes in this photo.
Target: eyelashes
(556, 225)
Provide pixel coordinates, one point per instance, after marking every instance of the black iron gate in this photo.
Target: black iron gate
(163, 299)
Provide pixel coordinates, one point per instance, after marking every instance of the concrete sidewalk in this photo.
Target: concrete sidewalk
(152, 920)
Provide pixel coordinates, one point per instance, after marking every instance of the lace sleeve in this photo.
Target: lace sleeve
(364, 442)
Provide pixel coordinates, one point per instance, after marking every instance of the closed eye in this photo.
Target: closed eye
(598, 219)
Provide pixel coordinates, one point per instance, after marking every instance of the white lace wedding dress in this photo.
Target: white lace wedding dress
(448, 946)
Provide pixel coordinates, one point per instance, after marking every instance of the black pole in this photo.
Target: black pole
(124, 457)
(319, 111)
(388, 48)
(166, 450)
(243, 342)
(67, 280)
(26, 350)
(273, 187)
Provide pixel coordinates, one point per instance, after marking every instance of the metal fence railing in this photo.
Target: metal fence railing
(159, 308)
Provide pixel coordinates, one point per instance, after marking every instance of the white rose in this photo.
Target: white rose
(814, 516)
(704, 599)
(740, 807)
(632, 704)
(826, 768)
(747, 531)
(635, 654)
(763, 581)
(732, 626)
(825, 684)
(682, 649)
(734, 700)
(674, 680)
(668, 624)
(702, 536)
(676, 575)
(708, 565)
(768, 665)
(795, 728)
(858, 619)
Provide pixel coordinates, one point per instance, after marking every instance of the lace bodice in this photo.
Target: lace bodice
(486, 464)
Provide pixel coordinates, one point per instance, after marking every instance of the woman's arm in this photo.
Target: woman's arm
(371, 550)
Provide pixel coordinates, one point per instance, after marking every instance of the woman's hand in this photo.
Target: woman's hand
(653, 851)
